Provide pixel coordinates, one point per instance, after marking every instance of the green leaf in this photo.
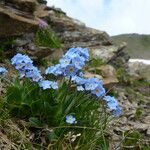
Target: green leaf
(51, 135)
(35, 122)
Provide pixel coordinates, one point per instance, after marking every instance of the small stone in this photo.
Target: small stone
(91, 75)
(147, 119)
(148, 131)
(140, 126)
(139, 70)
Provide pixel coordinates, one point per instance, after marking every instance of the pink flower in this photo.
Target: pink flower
(42, 24)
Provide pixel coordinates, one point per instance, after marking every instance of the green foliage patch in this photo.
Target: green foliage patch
(47, 110)
(47, 38)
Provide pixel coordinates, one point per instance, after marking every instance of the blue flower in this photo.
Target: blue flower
(81, 74)
(28, 66)
(91, 83)
(19, 58)
(78, 62)
(70, 119)
(70, 70)
(79, 80)
(113, 105)
(82, 52)
(71, 51)
(34, 75)
(46, 84)
(25, 67)
(80, 88)
(22, 73)
(16, 58)
(54, 85)
(3, 71)
(55, 70)
(19, 65)
(90, 86)
(64, 62)
(22, 62)
(117, 111)
(99, 91)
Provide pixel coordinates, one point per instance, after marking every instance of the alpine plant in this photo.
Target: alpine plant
(70, 67)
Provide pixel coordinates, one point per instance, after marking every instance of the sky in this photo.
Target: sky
(113, 16)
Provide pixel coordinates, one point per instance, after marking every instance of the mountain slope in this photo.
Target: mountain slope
(138, 46)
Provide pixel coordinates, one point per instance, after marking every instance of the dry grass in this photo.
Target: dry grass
(14, 135)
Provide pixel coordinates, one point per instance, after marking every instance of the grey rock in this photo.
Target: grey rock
(139, 70)
(140, 126)
(148, 131)
(104, 53)
(147, 119)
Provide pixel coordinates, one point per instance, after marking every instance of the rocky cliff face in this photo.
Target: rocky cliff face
(20, 18)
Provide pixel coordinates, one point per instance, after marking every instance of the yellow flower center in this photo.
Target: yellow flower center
(97, 90)
(71, 69)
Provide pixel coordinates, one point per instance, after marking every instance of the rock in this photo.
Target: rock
(107, 73)
(57, 53)
(25, 44)
(148, 131)
(41, 11)
(104, 53)
(11, 18)
(39, 52)
(42, 1)
(81, 36)
(147, 119)
(78, 22)
(139, 70)
(112, 54)
(140, 126)
(23, 5)
(75, 34)
(24, 15)
(92, 75)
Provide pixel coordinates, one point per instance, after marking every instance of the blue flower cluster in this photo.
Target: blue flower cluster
(95, 87)
(3, 71)
(71, 63)
(70, 66)
(26, 69)
(46, 84)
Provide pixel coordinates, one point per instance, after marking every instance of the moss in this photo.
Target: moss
(95, 62)
(47, 38)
